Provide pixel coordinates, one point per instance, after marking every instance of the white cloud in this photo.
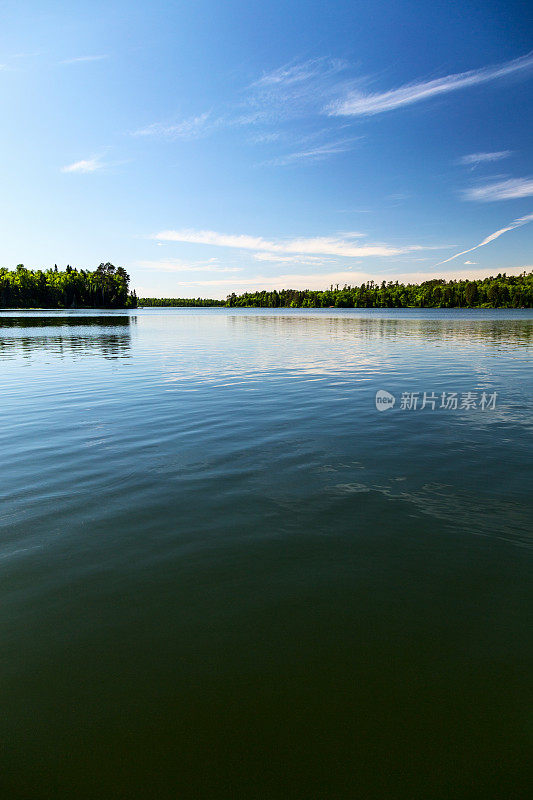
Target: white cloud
(469, 262)
(85, 165)
(80, 59)
(190, 128)
(320, 245)
(360, 104)
(502, 190)
(517, 223)
(473, 159)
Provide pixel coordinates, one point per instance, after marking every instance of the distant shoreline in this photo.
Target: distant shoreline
(501, 291)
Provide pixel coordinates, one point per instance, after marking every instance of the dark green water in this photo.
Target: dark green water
(225, 574)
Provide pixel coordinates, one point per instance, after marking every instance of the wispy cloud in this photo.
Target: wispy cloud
(290, 91)
(315, 69)
(266, 138)
(316, 153)
(276, 258)
(517, 223)
(502, 190)
(85, 165)
(177, 265)
(469, 262)
(320, 245)
(81, 59)
(190, 128)
(398, 198)
(308, 90)
(298, 89)
(287, 92)
(14, 61)
(265, 108)
(474, 159)
(357, 104)
(354, 211)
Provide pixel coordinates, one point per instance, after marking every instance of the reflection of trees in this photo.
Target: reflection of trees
(108, 336)
(70, 320)
(349, 325)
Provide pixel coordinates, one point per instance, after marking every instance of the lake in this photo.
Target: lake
(225, 573)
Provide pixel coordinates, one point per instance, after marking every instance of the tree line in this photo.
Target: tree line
(105, 287)
(108, 287)
(502, 291)
(178, 301)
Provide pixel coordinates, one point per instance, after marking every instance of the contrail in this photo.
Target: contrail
(516, 224)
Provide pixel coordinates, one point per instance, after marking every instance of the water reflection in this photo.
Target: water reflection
(501, 332)
(224, 528)
(75, 336)
(49, 321)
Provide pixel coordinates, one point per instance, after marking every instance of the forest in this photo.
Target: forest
(502, 291)
(105, 287)
(175, 302)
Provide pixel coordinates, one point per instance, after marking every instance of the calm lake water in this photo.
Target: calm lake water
(226, 574)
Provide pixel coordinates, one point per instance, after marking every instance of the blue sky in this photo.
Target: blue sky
(212, 147)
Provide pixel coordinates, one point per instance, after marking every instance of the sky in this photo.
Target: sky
(214, 147)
